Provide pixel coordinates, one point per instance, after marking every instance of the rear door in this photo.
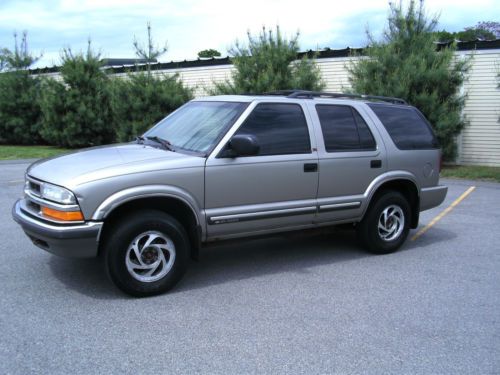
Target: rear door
(273, 190)
(351, 155)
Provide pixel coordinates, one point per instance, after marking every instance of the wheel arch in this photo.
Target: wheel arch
(406, 185)
(175, 206)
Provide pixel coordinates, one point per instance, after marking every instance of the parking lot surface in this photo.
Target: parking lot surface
(287, 305)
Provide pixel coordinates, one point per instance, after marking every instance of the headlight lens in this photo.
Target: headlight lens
(57, 194)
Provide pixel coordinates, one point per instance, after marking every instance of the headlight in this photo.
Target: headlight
(57, 194)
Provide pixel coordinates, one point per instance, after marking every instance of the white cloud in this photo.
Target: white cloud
(193, 25)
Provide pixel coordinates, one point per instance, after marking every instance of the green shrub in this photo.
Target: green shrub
(268, 63)
(20, 114)
(77, 111)
(208, 53)
(407, 65)
(142, 99)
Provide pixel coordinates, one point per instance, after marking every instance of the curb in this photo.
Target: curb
(18, 161)
(466, 182)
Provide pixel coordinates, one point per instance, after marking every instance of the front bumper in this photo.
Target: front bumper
(73, 241)
(432, 196)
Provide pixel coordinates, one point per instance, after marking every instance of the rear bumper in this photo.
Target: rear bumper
(432, 196)
(73, 241)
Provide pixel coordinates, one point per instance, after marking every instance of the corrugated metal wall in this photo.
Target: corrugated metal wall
(333, 71)
(479, 143)
(202, 79)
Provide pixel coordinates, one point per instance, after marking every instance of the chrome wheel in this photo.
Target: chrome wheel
(150, 256)
(391, 223)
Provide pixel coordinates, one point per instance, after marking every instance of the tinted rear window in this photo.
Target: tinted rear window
(407, 127)
(344, 129)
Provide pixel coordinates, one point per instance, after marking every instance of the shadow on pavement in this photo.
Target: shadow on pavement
(226, 262)
(429, 239)
(85, 276)
(253, 258)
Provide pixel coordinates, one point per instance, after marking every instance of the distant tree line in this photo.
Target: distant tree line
(87, 107)
(482, 31)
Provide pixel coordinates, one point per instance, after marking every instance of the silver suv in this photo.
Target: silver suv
(235, 166)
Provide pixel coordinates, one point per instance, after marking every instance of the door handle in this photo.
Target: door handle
(376, 163)
(310, 167)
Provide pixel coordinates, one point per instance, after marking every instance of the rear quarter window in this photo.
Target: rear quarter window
(407, 127)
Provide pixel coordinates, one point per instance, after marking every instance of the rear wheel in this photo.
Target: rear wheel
(147, 253)
(386, 225)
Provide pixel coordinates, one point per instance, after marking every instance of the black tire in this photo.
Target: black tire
(369, 234)
(142, 226)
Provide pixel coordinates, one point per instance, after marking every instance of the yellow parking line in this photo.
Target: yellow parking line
(443, 213)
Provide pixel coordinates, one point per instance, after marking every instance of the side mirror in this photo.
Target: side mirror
(243, 145)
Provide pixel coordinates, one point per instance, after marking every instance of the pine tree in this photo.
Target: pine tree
(149, 52)
(144, 97)
(20, 114)
(4, 55)
(268, 63)
(141, 100)
(77, 112)
(406, 64)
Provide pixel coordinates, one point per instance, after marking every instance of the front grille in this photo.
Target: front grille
(32, 188)
(32, 206)
(35, 188)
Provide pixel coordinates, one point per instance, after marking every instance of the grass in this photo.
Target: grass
(472, 172)
(29, 152)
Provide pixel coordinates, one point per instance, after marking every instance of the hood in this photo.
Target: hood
(71, 170)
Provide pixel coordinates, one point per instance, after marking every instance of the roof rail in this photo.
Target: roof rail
(319, 94)
(282, 92)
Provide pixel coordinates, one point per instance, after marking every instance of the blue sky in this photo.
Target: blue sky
(192, 25)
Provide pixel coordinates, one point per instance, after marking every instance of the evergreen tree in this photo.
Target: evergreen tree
(4, 53)
(406, 64)
(149, 52)
(77, 112)
(19, 108)
(141, 100)
(268, 63)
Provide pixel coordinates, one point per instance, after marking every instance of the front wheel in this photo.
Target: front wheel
(146, 253)
(386, 225)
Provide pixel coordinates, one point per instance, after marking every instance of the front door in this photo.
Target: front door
(272, 190)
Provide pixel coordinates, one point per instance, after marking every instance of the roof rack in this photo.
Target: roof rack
(320, 94)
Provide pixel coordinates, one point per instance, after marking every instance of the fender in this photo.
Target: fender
(148, 191)
(382, 179)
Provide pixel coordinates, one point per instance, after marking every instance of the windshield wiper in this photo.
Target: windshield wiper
(166, 144)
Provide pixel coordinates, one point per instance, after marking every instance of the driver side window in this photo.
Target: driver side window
(280, 129)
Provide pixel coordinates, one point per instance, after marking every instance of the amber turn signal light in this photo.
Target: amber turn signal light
(62, 215)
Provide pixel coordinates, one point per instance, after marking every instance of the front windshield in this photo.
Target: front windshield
(197, 126)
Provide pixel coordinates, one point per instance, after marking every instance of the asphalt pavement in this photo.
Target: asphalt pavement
(287, 305)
